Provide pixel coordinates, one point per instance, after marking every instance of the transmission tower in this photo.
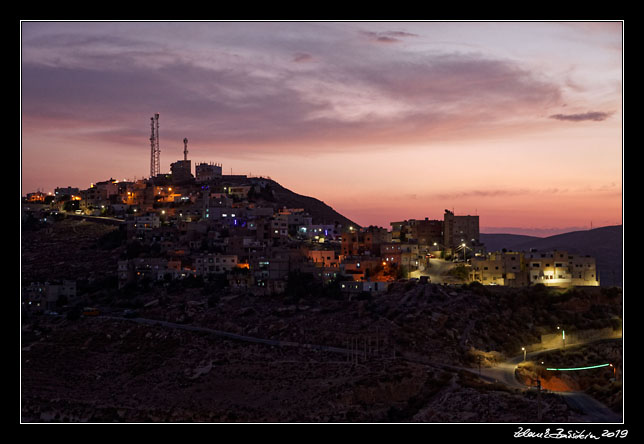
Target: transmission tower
(155, 150)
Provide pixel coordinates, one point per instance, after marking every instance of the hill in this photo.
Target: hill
(277, 196)
(497, 242)
(605, 244)
(321, 212)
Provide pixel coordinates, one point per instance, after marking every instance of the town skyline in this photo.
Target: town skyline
(517, 122)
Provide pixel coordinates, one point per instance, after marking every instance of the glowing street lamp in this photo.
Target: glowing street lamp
(524, 352)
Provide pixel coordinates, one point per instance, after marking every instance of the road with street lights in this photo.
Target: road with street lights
(437, 272)
(505, 373)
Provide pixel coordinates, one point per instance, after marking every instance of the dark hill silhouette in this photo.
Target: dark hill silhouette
(320, 212)
(497, 242)
(604, 244)
(278, 196)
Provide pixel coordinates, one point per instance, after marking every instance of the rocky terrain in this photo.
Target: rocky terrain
(401, 360)
(109, 370)
(68, 249)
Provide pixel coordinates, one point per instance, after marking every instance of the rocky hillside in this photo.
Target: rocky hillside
(405, 348)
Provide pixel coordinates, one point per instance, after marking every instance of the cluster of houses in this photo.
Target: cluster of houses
(215, 226)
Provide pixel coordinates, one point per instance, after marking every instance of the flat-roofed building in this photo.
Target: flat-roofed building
(206, 264)
(558, 268)
(551, 268)
(205, 172)
(460, 229)
(499, 268)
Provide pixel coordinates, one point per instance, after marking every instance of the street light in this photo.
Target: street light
(524, 352)
(563, 336)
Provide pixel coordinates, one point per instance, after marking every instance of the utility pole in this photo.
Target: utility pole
(563, 337)
(538, 399)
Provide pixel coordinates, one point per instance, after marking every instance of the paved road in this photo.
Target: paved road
(438, 272)
(593, 410)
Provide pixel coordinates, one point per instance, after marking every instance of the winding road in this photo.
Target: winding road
(590, 408)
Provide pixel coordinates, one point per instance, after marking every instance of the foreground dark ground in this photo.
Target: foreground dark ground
(408, 346)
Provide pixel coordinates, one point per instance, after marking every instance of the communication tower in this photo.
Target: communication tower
(155, 150)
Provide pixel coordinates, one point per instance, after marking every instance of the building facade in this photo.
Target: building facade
(553, 269)
(460, 229)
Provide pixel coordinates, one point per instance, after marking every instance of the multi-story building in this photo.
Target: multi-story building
(39, 296)
(402, 254)
(101, 191)
(181, 171)
(360, 267)
(424, 232)
(319, 231)
(132, 270)
(321, 274)
(553, 269)
(147, 222)
(323, 258)
(295, 217)
(558, 268)
(61, 192)
(460, 229)
(499, 268)
(364, 241)
(205, 172)
(206, 264)
(427, 231)
(240, 192)
(279, 226)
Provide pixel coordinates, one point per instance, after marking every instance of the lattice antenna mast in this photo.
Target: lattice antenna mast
(152, 148)
(157, 150)
(185, 148)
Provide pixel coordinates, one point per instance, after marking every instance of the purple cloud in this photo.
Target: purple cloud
(387, 36)
(302, 57)
(596, 116)
(110, 87)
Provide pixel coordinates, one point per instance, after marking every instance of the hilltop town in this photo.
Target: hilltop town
(240, 231)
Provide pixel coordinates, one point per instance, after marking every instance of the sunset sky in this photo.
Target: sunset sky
(518, 122)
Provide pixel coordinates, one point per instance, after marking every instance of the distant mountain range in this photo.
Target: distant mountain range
(605, 244)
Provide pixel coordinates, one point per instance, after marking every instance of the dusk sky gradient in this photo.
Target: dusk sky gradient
(518, 122)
